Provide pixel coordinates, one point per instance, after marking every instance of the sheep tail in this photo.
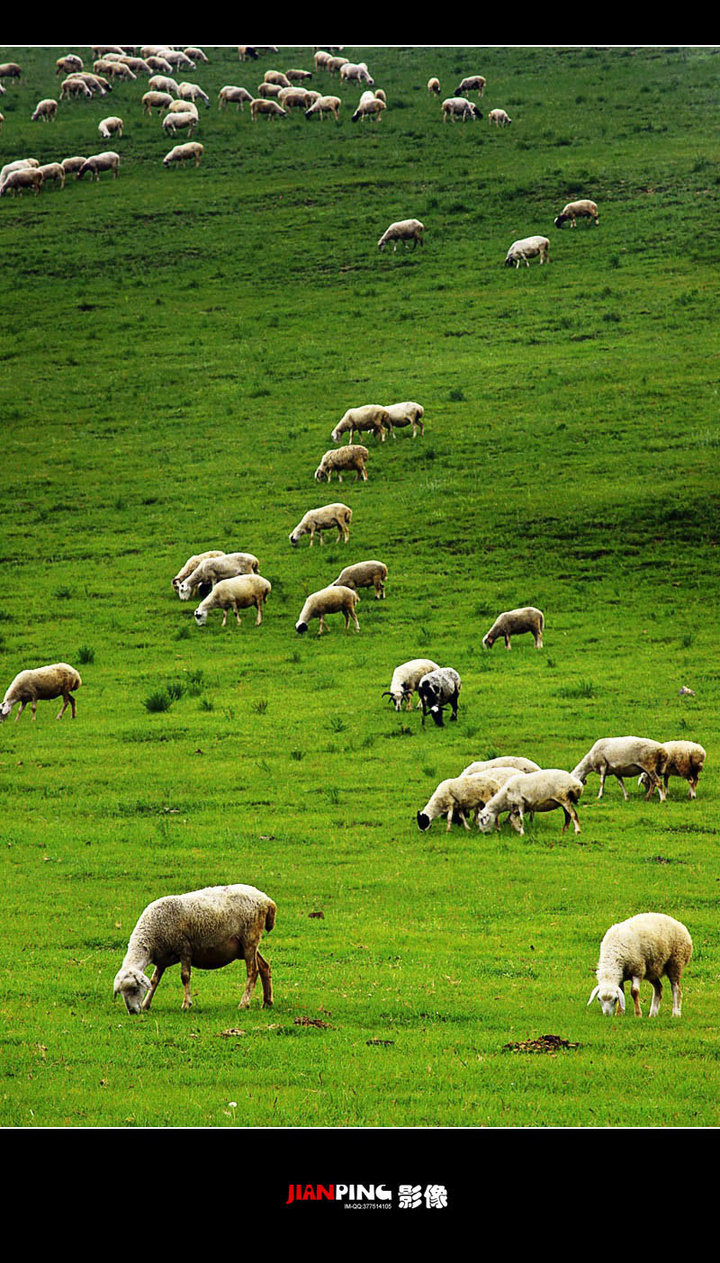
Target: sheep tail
(270, 917)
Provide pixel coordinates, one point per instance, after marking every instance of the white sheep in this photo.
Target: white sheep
(69, 63)
(192, 150)
(472, 83)
(514, 623)
(682, 758)
(184, 107)
(370, 416)
(459, 107)
(463, 796)
(232, 95)
(295, 98)
(44, 110)
(242, 592)
(192, 563)
(111, 126)
(212, 569)
(516, 761)
(193, 92)
(74, 86)
(407, 413)
(534, 791)
(298, 76)
(335, 63)
(438, 689)
(370, 108)
(406, 230)
(364, 574)
(405, 680)
(263, 105)
(18, 165)
(321, 57)
(164, 83)
(325, 105)
(433, 85)
(197, 54)
(527, 248)
(584, 209)
(278, 77)
(115, 69)
(348, 459)
(315, 521)
(72, 165)
(650, 945)
(269, 91)
(331, 600)
(499, 118)
(108, 161)
(356, 72)
(207, 929)
(98, 85)
(53, 171)
(40, 684)
(624, 756)
(16, 182)
(173, 122)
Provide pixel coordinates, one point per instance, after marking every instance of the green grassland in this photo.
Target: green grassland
(177, 346)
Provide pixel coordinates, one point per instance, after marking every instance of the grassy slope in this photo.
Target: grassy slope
(178, 348)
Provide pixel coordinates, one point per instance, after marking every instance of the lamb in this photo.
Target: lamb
(514, 623)
(682, 758)
(407, 413)
(322, 519)
(356, 71)
(370, 416)
(433, 85)
(534, 791)
(173, 122)
(192, 563)
(584, 209)
(331, 600)
(193, 149)
(462, 796)
(438, 689)
(459, 107)
(624, 756)
(108, 161)
(648, 945)
(23, 178)
(499, 118)
(374, 106)
(325, 105)
(405, 680)
(230, 95)
(45, 109)
(472, 83)
(242, 592)
(262, 105)
(207, 928)
(213, 569)
(41, 684)
(108, 127)
(348, 459)
(364, 574)
(193, 92)
(406, 230)
(528, 248)
(515, 761)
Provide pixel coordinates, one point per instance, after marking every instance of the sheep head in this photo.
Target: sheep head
(200, 616)
(610, 997)
(133, 985)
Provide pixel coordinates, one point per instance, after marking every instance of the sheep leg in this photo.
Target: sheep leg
(516, 820)
(507, 640)
(603, 773)
(454, 705)
(635, 993)
(621, 782)
(20, 711)
(322, 625)
(157, 975)
(251, 964)
(677, 998)
(259, 607)
(570, 814)
(185, 977)
(357, 625)
(266, 980)
(657, 996)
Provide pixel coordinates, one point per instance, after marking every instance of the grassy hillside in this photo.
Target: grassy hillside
(177, 346)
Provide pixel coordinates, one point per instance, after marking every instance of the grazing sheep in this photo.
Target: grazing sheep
(192, 563)
(366, 109)
(242, 592)
(159, 64)
(459, 107)
(624, 756)
(325, 105)
(348, 459)
(438, 689)
(98, 85)
(364, 574)
(407, 413)
(370, 416)
(499, 118)
(584, 209)
(331, 600)
(10, 70)
(23, 178)
(207, 929)
(321, 56)
(197, 54)
(316, 521)
(42, 684)
(514, 623)
(263, 105)
(72, 165)
(69, 63)
(528, 248)
(53, 171)
(269, 91)
(164, 83)
(193, 92)
(461, 796)
(111, 126)
(193, 149)
(298, 76)
(178, 58)
(534, 791)
(74, 86)
(405, 680)
(472, 83)
(108, 161)
(682, 758)
(515, 761)
(356, 72)
(335, 63)
(116, 69)
(434, 85)
(231, 95)
(212, 569)
(278, 77)
(17, 165)
(648, 945)
(45, 109)
(178, 121)
(406, 230)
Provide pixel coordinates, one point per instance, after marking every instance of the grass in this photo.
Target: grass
(185, 342)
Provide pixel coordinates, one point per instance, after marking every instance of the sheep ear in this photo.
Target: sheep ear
(593, 994)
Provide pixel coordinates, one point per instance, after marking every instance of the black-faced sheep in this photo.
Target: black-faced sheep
(463, 796)
(584, 209)
(438, 689)
(331, 600)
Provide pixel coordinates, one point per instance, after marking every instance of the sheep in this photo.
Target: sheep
(438, 689)
(191, 564)
(229, 94)
(405, 680)
(370, 416)
(294, 98)
(23, 178)
(136, 64)
(331, 600)
(584, 209)
(245, 51)
(197, 54)
(462, 796)
(53, 171)
(72, 165)
(348, 459)
(499, 118)
(193, 149)
(433, 85)
(10, 70)
(648, 945)
(97, 84)
(263, 105)
(514, 623)
(213, 569)
(163, 83)
(472, 83)
(325, 105)
(624, 756)
(322, 519)
(44, 110)
(193, 92)
(40, 684)
(17, 165)
(364, 574)
(74, 86)
(528, 248)
(335, 63)
(178, 58)
(184, 107)
(406, 230)
(516, 761)
(174, 121)
(365, 109)
(682, 758)
(321, 57)
(111, 126)
(298, 76)
(207, 928)
(156, 101)
(67, 64)
(534, 791)
(108, 161)
(242, 592)
(116, 69)
(459, 107)
(159, 64)
(356, 71)
(277, 76)
(407, 413)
